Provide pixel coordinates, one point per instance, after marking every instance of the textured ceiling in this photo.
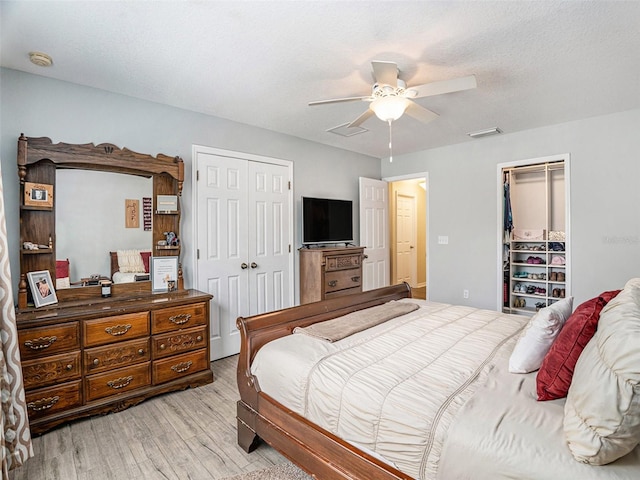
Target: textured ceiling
(260, 63)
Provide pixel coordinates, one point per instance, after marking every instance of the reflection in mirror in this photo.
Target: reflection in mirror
(91, 219)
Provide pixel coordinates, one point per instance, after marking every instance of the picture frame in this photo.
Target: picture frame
(166, 203)
(38, 194)
(42, 289)
(164, 274)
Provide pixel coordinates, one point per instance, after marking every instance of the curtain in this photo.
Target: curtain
(14, 422)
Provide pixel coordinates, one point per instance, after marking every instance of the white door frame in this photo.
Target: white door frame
(423, 176)
(566, 157)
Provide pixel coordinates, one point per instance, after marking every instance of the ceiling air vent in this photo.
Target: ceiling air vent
(485, 133)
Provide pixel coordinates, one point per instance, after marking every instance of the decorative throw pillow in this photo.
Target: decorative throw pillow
(538, 335)
(602, 411)
(556, 371)
(130, 261)
(145, 260)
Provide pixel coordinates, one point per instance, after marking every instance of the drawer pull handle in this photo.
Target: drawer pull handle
(199, 338)
(43, 403)
(40, 343)
(96, 361)
(180, 319)
(70, 366)
(120, 382)
(182, 366)
(333, 283)
(141, 351)
(118, 330)
(162, 346)
(355, 279)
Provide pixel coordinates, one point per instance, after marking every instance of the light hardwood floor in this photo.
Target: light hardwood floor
(182, 435)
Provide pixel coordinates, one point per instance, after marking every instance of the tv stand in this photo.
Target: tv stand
(329, 272)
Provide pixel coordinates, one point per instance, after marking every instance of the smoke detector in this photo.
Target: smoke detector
(40, 59)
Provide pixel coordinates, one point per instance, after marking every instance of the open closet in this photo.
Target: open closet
(535, 237)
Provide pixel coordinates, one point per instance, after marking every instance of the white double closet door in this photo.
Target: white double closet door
(244, 238)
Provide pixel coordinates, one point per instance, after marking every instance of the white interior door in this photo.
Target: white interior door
(243, 231)
(374, 212)
(406, 240)
(269, 229)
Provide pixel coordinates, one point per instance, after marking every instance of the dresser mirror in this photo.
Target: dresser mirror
(97, 180)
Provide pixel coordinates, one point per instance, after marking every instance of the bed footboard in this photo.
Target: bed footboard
(259, 416)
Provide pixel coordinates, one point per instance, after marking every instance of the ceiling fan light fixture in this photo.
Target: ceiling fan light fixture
(389, 108)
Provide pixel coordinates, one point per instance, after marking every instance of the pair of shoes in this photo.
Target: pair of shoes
(560, 277)
(540, 305)
(555, 293)
(531, 289)
(538, 248)
(553, 276)
(540, 291)
(558, 260)
(519, 302)
(556, 246)
(538, 276)
(535, 260)
(562, 292)
(520, 275)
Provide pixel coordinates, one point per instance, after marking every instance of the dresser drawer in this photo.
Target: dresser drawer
(117, 355)
(342, 279)
(46, 401)
(117, 381)
(44, 341)
(179, 342)
(51, 370)
(175, 318)
(342, 262)
(115, 329)
(179, 366)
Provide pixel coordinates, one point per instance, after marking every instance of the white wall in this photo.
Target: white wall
(41, 107)
(605, 223)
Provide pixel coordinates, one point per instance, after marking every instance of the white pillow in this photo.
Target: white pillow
(602, 411)
(537, 337)
(130, 261)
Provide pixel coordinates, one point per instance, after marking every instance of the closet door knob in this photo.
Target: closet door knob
(254, 265)
(244, 266)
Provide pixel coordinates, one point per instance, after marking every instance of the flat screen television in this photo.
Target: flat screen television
(326, 220)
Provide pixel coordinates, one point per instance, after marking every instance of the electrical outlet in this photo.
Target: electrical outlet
(443, 240)
(465, 293)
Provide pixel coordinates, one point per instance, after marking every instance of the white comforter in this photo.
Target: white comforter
(397, 388)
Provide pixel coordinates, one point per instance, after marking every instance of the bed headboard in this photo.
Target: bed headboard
(114, 263)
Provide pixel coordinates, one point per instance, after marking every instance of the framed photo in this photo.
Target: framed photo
(38, 194)
(167, 203)
(42, 288)
(164, 274)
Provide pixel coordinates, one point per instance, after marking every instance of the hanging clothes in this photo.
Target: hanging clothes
(508, 214)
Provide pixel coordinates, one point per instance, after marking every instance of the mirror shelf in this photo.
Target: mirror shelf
(38, 161)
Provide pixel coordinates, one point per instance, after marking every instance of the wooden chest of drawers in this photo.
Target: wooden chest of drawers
(330, 272)
(80, 360)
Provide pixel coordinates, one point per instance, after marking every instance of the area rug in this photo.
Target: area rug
(285, 471)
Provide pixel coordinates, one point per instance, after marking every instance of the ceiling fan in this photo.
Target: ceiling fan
(390, 98)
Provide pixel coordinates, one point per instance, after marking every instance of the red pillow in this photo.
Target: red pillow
(145, 259)
(556, 371)
(62, 268)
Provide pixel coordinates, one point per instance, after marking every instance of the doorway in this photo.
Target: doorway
(408, 232)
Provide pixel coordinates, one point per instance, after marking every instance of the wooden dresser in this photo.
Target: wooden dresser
(104, 355)
(330, 272)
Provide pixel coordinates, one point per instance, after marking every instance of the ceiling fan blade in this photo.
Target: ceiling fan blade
(385, 73)
(420, 113)
(444, 86)
(366, 98)
(361, 119)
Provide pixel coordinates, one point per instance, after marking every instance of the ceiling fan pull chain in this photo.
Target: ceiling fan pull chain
(390, 143)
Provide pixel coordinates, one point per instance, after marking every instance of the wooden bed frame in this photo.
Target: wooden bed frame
(312, 448)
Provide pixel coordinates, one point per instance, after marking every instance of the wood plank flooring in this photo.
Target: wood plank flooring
(181, 435)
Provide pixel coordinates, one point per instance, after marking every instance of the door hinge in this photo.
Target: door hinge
(198, 254)
(197, 175)
(289, 184)
(289, 248)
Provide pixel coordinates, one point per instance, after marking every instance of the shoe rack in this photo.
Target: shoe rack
(537, 274)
